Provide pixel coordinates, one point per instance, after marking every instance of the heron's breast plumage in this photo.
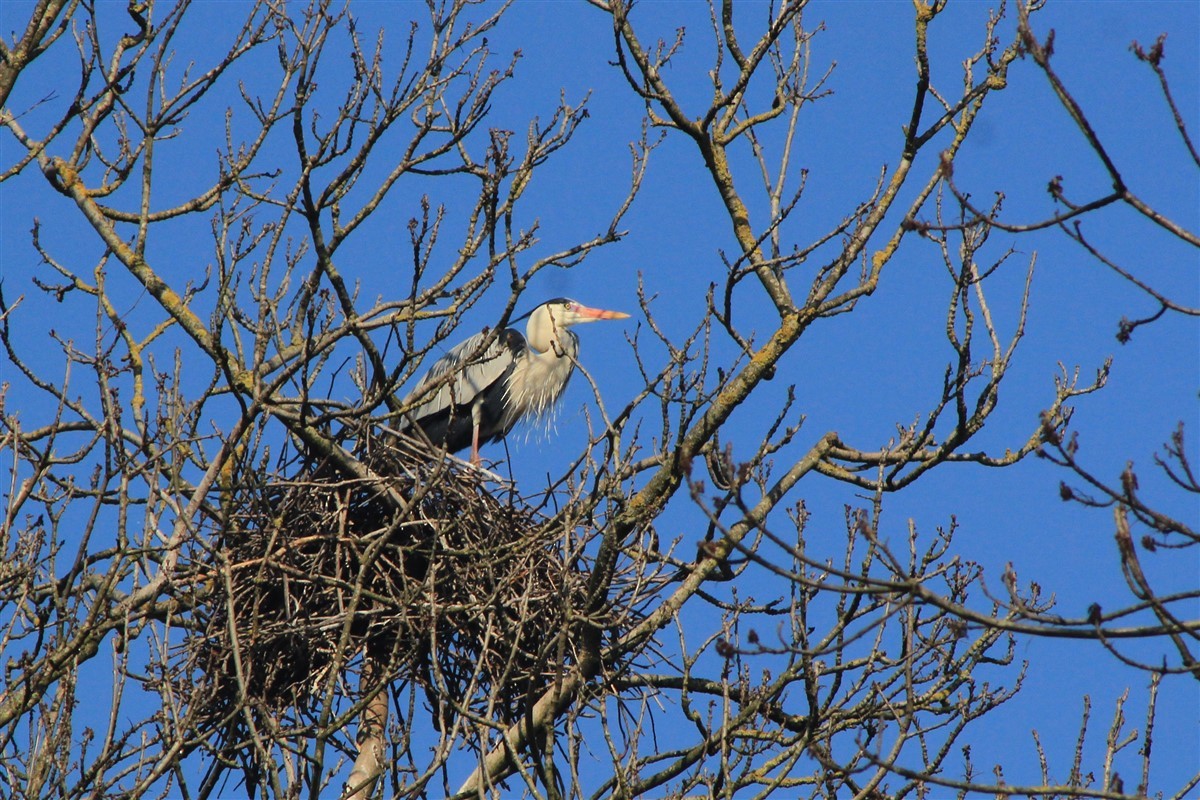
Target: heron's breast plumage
(538, 379)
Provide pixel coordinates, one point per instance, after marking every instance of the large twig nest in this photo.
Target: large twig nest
(422, 570)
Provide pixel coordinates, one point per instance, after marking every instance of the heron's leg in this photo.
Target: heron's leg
(475, 446)
(476, 420)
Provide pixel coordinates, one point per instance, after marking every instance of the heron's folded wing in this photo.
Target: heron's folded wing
(473, 370)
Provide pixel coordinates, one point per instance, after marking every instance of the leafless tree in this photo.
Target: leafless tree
(220, 572)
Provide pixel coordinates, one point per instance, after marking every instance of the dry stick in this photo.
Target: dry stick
(369, 764)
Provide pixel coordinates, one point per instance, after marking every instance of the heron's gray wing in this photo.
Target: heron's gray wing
(473, 372)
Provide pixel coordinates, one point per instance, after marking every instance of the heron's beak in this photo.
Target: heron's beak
(589, 314)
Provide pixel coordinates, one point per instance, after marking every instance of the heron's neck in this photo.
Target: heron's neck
(548, 339)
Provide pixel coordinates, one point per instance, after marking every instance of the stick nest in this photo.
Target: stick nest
(417, 569)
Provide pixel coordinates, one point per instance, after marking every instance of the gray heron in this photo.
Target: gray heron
(476, 394)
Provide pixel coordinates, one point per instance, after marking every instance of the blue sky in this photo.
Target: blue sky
(863, 373)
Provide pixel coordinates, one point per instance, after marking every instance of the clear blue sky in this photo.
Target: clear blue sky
(862, 373)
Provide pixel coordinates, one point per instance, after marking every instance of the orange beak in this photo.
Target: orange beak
(600, 313)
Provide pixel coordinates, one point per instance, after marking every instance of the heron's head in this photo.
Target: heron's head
(554, 316)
